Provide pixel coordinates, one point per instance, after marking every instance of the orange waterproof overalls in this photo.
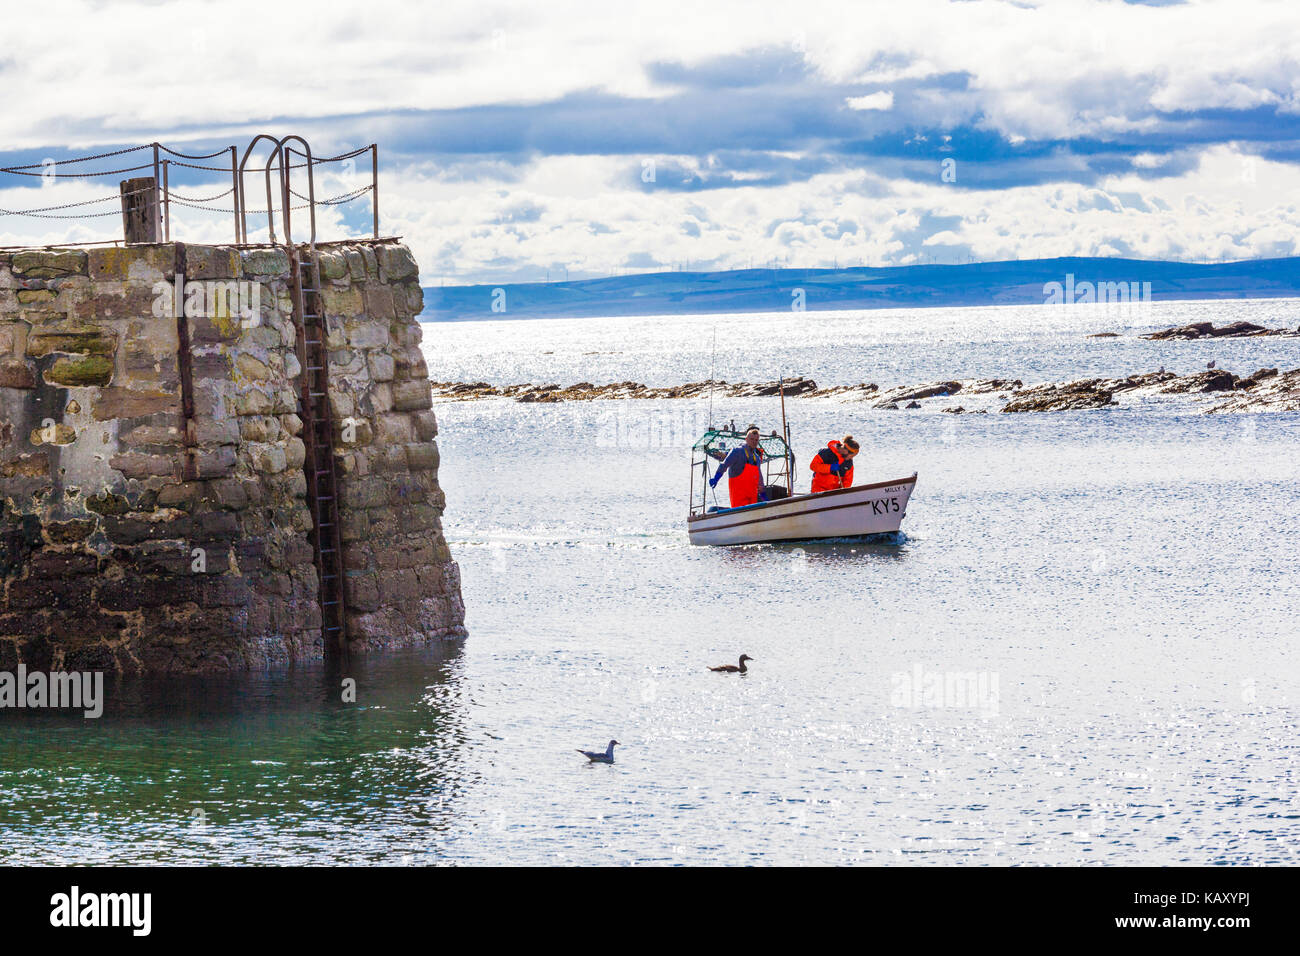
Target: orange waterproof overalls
(744, 476)
(823, 479)
(744, 488)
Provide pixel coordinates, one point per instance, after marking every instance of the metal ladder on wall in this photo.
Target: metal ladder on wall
(318, 436)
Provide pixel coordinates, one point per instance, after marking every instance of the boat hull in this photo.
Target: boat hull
(859, 511)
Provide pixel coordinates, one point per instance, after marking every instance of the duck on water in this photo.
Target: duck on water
(732, 668)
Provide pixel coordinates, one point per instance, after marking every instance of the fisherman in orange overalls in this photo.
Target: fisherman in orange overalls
(833, 465)
(742, 465)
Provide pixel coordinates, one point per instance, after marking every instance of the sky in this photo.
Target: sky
(520, 141)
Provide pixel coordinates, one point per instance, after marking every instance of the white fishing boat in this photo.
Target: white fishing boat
(858, 511)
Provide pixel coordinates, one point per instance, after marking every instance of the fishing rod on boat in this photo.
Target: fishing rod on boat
(713, 363)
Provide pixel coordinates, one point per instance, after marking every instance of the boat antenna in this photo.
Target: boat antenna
(785, 431)
(712, 366)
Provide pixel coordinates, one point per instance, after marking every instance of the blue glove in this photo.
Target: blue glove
(713, 482)
(835, 468)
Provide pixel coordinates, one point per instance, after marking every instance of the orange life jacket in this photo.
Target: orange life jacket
(823, 479)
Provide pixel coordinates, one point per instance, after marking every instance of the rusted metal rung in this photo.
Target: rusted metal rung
(318, 436)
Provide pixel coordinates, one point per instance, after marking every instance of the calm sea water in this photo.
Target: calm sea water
(1082, 648)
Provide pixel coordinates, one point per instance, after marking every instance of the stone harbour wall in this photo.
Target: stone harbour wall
(153, 504)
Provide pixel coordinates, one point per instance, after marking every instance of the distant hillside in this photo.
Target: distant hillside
(773, 290)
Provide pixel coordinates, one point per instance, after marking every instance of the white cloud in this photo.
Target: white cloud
(883, 100)
(844, 217)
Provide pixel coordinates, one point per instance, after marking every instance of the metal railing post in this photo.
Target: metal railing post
(374, 184)
(167, 203)
(157, 211)
(234, 182)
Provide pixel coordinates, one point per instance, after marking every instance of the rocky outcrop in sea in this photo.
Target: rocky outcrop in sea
(1208, 330)
(1264, 390)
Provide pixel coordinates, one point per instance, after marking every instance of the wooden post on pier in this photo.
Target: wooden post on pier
(140, 209)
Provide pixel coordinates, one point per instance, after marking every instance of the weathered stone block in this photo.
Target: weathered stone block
(354, 525)
(80, 371)
(345, 302)
(254, 401)
(346, 362)
(410, 364)
(397, 262)
(228, 493)
(69, 532)
(422, 456)
(119, 402)
(211, 262)
(213, 525)
(356, 264)
(353, 432)
(267, 458)
(151, 435)
(369, 492)
(264, 262)
(378, 400)
(333, 265)
(379, 303)
(55, 564)
(54, 434)
(204, 330)
(295, 453)
(412, 396)
(178, 496)
(364, 334)
(415, 298)
(341, 405)
(225, 591)
(48, 264)
(362, 592)
(135, 527)
(135, 301)
(108, 503)
(382, 367)
(214, 463)
(426, 424)
(143, 264)
(391, 459)
(393, 429)
(17, 375)
(259, 428)
(217, 431)
(76, 339)
(140, 466)
(251, 368)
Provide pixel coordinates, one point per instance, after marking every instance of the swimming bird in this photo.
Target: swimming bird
(595, 756)
(1211, 363)
(732, 668)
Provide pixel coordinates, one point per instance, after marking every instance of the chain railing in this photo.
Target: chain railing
(284, 155)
